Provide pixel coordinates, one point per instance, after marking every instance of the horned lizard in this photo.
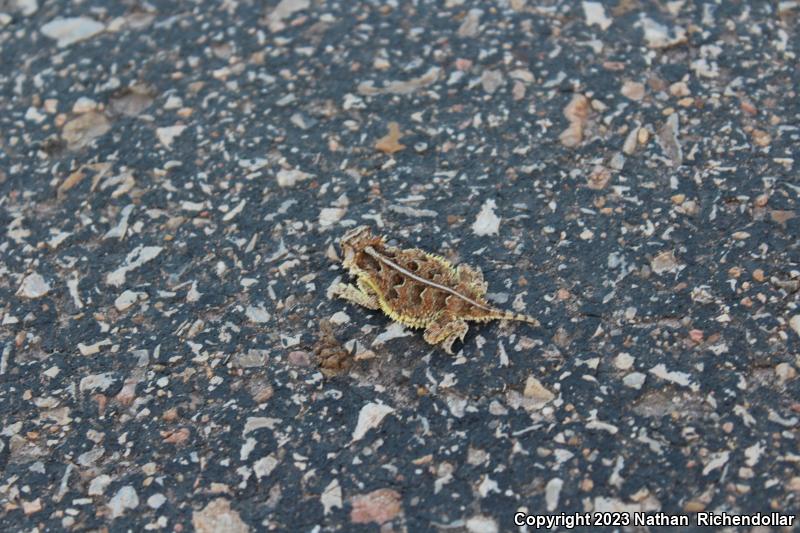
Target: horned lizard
(417, 288)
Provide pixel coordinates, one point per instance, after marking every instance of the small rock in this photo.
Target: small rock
(471, 24)
(33, 286)
(781, 216)
(390, 143)
(552, 492)
(302, 121)
(253, 358)
(331, 496)
(659, 36)
(679, 89)
(31, 507)
(299, 358)
(794, 323)
(71, 30)
(631, 141)
(617, 162)
(680, 378)
(89, 458)
(290, 340)
(26, 8)
(577, 113)
(254, 423)
(378, 506)
(127, 393)
(156, 500)
(623, 361)
(84, 105)
(599, 178)
(58, 238)
(487, 222)
(218, 517)
(481, 524)
(664, 262)
(633, 90)
(785, 372)
(84, 128)
(177, 437)
(716, 461)
(125, 498)
(491, 80)
(518, 90)
(761, 137)
(258, 315)
(339, 318)
(95, 382)
(34, 115)
(91, 349)
(60, 415)
(395, 330)
(361, 352)
(694, 506)
(98, 485)
(367, 88)
(136, 258)
(133, 101)
(284, 10)
(634, 380)
(668, 140)
(536, 391)
(264, 466)
(328, 216)
(370, 416)
(603, 504)
(595, 14)
(167, 135)
(126, 300)
(288, 178)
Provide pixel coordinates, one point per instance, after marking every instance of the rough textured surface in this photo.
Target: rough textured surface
(174, 178)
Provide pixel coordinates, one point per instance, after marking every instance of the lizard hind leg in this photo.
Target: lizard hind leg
(357, 295)
(445, 330)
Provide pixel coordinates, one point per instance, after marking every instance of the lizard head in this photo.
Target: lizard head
(354, 241)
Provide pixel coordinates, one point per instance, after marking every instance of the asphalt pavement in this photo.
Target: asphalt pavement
(174, 180)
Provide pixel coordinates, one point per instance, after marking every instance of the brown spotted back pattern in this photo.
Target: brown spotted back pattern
(416, 288)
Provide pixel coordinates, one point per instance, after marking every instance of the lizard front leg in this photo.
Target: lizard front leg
(445, 330)
(357, 295)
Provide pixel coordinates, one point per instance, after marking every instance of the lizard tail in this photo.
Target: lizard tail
(519, 317)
